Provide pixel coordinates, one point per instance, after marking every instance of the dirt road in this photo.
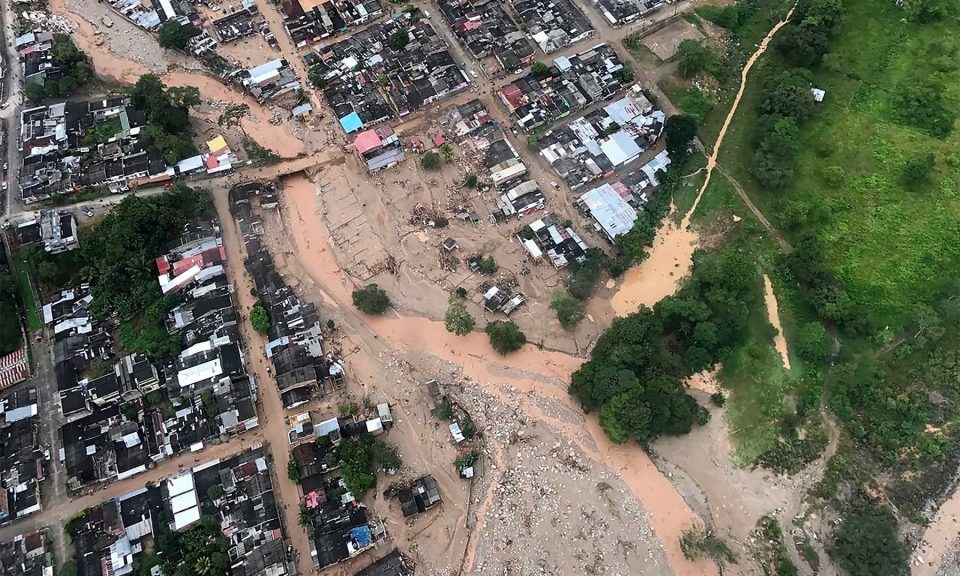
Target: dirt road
(58, 512)
(273, 424)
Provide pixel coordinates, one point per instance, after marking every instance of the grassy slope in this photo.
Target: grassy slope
(887, 241)
(29, 303)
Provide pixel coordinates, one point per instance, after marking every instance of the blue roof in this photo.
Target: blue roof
(361, 535)
(351, 122)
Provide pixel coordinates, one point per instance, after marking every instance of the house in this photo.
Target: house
(421, 495)
(379, 148)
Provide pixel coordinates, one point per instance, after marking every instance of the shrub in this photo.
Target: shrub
(834, 176)
(692, 58)
(505, 336)
(867, 544)
(431, 161)
(470, 181)
(399, 40)
(215, 491)
(293, 470)
(371, 299)
(718, 398)
(917, 170)
(680, 129)
(813, 344)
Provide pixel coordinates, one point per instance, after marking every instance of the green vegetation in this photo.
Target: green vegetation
(444, 410)
(360, 457)
(257, 153)
(430, 161)
(867, 544)
(24, 289)
(570, 311)
(75, 71)
(200, 551)
(232, 115)
(399, 40)
(214, 492)
(487, 266)
(692, 58)
(457, 320)
(539, 70)
(680, 130)
(505, 336)
(69, 568)
(101, 132)
(172, 34)
(260, 318)
(446, 152)
(695, 543)
(371, 299)
(293, 469)
(348, 408)
(470, 181)
(168, 128)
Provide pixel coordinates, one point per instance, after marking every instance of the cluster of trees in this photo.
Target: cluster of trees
(75, 71)
(867, 543)
(10, 335)
(457, 319)
(168, 128)
(786, 102)
(119, 253)
(200, 551)
(634, 376)
(360, 457)
(633, 245)
(680, 130)
(371, 299)
(808, 264)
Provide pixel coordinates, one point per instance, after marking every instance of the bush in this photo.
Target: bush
(172, 34)
(371, 299)
(470, 181)
(917, 170)
(680, 131)
(692, 58)
(259, 318)
(457, 319)
(539, 70)
(695, 543)
(834, 176)
(718, 399)
(505, 336)
(215, 491)
(570, 311)
(533, 142)
(430, 161)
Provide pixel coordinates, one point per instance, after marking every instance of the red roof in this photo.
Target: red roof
(203, 259)
(163, 265)
(438, 140)
(212, 162)
(512, 94)
(367, 141)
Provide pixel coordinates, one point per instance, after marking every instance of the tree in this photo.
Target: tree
(446, 152)
(259, 318)
(594, 385)
(172, 34)
(867, 544)
(788, 95)
(505, 336)
(532, 142)
(399, 40)
(303, 515)
(215, 492)
(457, 319)
(625, 74)
(834, 176)
(773, 161)
(487, 266)
(69, 568)
(627, 416)
(570, 311)
(680, 130)
(371, 299)
(924, 11)
(470, 181)
(539, 70)
(430, 161)
(692, 58)
(919, 102)
(317, 76)
(813, 343)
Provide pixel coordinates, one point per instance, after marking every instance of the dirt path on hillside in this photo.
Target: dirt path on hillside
(712, 159)
(773, 315)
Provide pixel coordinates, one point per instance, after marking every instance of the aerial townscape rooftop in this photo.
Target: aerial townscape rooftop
(479, 287)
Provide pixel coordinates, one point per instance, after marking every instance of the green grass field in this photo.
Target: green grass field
(31, 310)
(890, 242)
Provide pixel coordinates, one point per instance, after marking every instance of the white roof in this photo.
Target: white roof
(326, 427)
(620, 148)
(180, 484)
(132, 439)
(199, 373)
(457, 434)
(183, 501)
(533, 249)
(186, 518)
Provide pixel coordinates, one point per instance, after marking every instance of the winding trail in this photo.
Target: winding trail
(712, 159)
